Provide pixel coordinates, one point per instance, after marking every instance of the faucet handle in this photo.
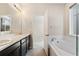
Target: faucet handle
(57, 41)
(53, 39)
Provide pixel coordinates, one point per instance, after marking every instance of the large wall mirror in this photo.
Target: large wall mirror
(5, 23)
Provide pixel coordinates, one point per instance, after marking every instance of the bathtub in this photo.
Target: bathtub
(63, 46)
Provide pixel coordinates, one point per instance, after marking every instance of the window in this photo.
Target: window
(5, 23)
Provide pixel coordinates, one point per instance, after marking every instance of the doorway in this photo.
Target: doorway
(38, 31)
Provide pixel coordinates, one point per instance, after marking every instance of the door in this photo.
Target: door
(46, 34)
(38, 31)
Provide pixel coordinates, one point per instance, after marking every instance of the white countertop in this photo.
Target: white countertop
(13, 39)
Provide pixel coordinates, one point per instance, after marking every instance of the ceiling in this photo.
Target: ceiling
(38, 8)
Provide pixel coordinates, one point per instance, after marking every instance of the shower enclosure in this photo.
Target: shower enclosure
(74, 24)
(63, 32)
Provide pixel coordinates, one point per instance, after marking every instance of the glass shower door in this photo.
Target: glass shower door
(76, 16)
(77, 29)
(74, 22)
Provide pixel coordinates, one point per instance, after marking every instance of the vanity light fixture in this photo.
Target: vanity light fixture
(15, 6)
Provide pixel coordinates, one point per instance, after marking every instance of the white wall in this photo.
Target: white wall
(58, 25)
(5, 9)
(56, 19)
(55, 16)
(26, 19)
(56, 12)
(16, 20)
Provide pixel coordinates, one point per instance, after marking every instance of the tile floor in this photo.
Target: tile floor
(36, 52)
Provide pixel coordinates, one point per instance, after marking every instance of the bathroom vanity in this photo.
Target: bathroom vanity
(18, 46)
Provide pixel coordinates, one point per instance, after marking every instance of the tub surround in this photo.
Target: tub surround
(13, 39)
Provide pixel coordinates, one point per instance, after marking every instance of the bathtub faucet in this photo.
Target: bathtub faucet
(53, 39)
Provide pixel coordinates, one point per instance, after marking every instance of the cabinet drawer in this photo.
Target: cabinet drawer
(9, 49)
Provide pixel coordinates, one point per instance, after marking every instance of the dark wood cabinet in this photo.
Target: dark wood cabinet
(9, 49)
(24, 49)
(15, 52)
(19, 48)
(30, 42)
(23, 46)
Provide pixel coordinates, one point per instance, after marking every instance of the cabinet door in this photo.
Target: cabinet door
(30, 42)
(16, 52)
(9, 49)
(27, 44)
(24, 49)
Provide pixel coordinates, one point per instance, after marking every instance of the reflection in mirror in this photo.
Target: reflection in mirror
(5, 23)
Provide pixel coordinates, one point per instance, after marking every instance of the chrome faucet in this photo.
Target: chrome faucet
(53, 39)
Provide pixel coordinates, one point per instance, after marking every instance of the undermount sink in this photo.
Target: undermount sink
(4, 42)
